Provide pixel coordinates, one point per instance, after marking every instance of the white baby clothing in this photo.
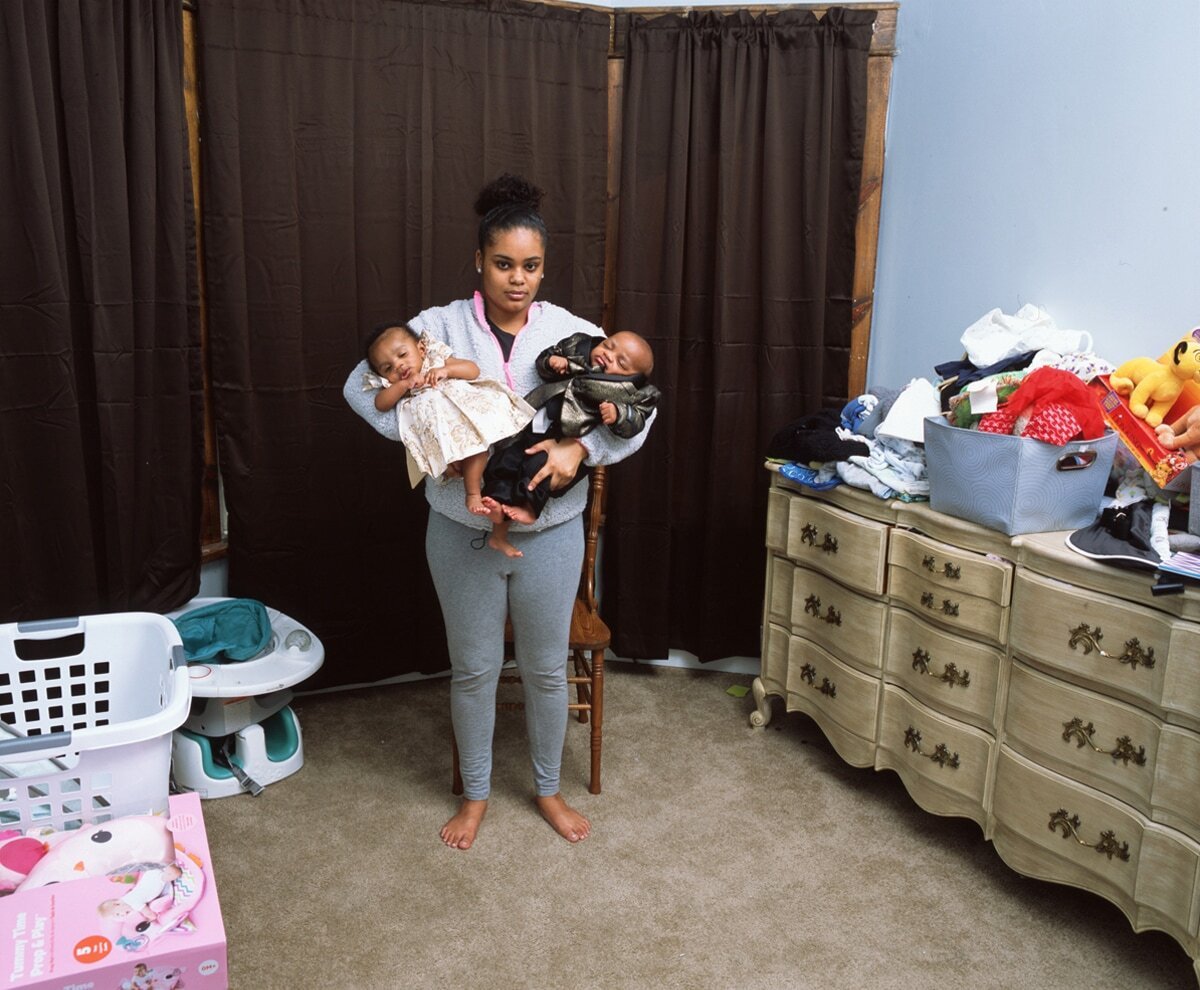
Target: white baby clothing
(455, 418)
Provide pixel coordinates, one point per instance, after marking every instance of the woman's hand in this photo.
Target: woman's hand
(563, 458)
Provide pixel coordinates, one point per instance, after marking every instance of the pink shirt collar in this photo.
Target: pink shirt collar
(531, 314)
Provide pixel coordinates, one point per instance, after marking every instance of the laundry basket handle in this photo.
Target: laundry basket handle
(47, 625)
(56, 742)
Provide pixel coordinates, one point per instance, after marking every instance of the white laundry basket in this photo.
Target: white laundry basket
(87, 709)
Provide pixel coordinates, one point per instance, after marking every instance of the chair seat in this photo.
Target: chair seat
(588, 631)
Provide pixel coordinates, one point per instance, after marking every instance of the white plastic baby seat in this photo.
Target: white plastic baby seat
(293, 654)
(245, 704)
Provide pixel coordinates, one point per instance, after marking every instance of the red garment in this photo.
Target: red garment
(1050, 387)
(1054, 424)
(1000, 421)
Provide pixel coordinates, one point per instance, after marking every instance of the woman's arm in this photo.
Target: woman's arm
(363, 402)
(605, 447)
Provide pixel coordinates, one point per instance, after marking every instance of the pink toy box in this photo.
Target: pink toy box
(71, 923)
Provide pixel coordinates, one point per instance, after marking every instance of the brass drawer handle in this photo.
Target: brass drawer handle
(941, 754)
(812, 605)
(808, 674)
(808, 534)
(949, 674)
(1089, 638)
(1070, 830)
(948, 607)
(929, 562)
(1083, 736)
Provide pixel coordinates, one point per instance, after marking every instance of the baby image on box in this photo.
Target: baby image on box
(157, 898)
(153, 978)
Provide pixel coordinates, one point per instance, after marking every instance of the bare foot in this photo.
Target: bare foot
(475, 504)
(519, 513)
(489, 507)
(460, 831)
(564, 819)
(498, 542)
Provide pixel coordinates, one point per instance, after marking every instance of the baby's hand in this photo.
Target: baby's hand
(558, 364)
(608, 413)
(436, 376)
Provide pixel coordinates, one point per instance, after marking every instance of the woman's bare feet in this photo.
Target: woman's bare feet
(519, 513)
(564, 819)
(460, 831)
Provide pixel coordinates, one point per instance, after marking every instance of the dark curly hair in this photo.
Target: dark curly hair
(509, 202)
(380, 329)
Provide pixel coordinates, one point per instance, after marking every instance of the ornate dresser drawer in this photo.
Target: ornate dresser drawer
(840, 620)
(1099, 741)
(959, 589)
(835, 695)
(1117, 748)
(843, 701)
(1047, 825)
(1132, 652)
(953, 674)
(944, 764)
(823, 537)
(951, 569)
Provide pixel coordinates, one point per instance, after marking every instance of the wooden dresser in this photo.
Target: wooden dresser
(1053, 700)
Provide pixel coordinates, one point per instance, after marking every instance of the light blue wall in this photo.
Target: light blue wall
(1043, 151)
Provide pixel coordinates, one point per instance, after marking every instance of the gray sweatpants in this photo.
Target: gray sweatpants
(477, 588)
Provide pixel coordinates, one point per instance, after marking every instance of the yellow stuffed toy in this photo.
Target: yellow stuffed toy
(1153, 386)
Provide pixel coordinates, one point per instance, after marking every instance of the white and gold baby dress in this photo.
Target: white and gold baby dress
(454, 419)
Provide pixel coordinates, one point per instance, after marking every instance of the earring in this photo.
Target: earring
(478, 270)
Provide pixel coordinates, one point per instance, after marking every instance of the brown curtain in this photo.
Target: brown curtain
(344, 143)
(741, 157)
(100, 416)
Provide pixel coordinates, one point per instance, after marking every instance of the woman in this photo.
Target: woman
(502, 329)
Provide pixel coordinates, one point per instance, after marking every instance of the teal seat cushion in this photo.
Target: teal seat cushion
(237, 629)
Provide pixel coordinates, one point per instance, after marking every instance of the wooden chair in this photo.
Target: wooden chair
(589, 639)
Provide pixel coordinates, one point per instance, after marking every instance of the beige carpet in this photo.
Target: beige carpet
(721, 857)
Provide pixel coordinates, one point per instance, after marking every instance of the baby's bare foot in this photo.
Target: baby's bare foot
(519, 513)
(498, 542)
(475, 504)
(564, 819)
(491, 508)
(460, 831)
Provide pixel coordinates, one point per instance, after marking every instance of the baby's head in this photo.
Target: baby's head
(114, 909)
(395, 352)
(624, 353)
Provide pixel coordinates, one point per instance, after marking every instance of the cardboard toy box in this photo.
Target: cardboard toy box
(60, 938)
(1165, 467)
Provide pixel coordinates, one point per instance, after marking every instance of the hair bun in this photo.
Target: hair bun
(508, 190)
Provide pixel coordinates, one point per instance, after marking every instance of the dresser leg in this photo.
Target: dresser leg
(762, 713)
